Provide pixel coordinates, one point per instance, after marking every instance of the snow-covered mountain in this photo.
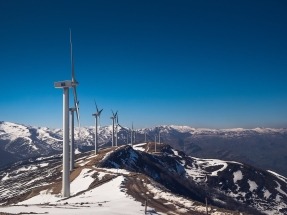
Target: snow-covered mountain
(118, 181)
(265, 148)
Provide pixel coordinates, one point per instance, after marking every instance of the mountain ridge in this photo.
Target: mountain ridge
(251, 146)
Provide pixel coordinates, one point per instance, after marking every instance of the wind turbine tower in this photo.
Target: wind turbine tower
(65, 85)
(113, 118)
(155, 143)
(117, 125)
(72, 144)
(132, 131)
(134, 136)
(97, 117)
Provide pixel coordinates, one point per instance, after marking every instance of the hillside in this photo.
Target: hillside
(119, 179)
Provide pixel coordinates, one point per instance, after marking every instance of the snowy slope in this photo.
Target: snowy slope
(35, 188)
(228, 184)
(118, 180)
(27, 141)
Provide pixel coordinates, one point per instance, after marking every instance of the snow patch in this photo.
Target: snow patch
(114, 170)
(77, 151)
(237, 176)
(107, 199)
(252, 185)
(44, 197)
(278, 188)
(101, 175)
(213, 162)
(27, 168)
(6, 177)
(82, 182)
(267, 194)
(139, 147)
(282, 178)
(175, 152)
(44, 164)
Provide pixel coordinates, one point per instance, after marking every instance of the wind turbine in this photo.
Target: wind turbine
(65, 85)
(117, 123)
(113, 118)
(127, 137)
(75, 108)
(155, 143)
(132, 131)
(97, 116)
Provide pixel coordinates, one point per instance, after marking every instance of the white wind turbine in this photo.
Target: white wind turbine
(72, 110)
(117, 125)
(132, 131)
(113, 118)
(97, 117)
(65, 85)
(155, 143)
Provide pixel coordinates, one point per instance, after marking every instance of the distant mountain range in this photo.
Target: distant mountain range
(264, 148)
(119, 179)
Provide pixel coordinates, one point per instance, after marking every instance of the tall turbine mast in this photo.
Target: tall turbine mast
(97, 117)
(113, 118)
(65, 85)
(155, 143)
(117, 124)
(72, 143)
(132, 134)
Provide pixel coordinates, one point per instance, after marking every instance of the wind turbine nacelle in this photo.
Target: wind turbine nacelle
(63, 84)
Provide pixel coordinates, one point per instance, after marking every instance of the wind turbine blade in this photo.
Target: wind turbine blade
(100, 112)
(78, 118)
(72, 58)
(96, 106)
(76, 104)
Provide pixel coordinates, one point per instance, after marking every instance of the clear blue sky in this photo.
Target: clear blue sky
(207, 63)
